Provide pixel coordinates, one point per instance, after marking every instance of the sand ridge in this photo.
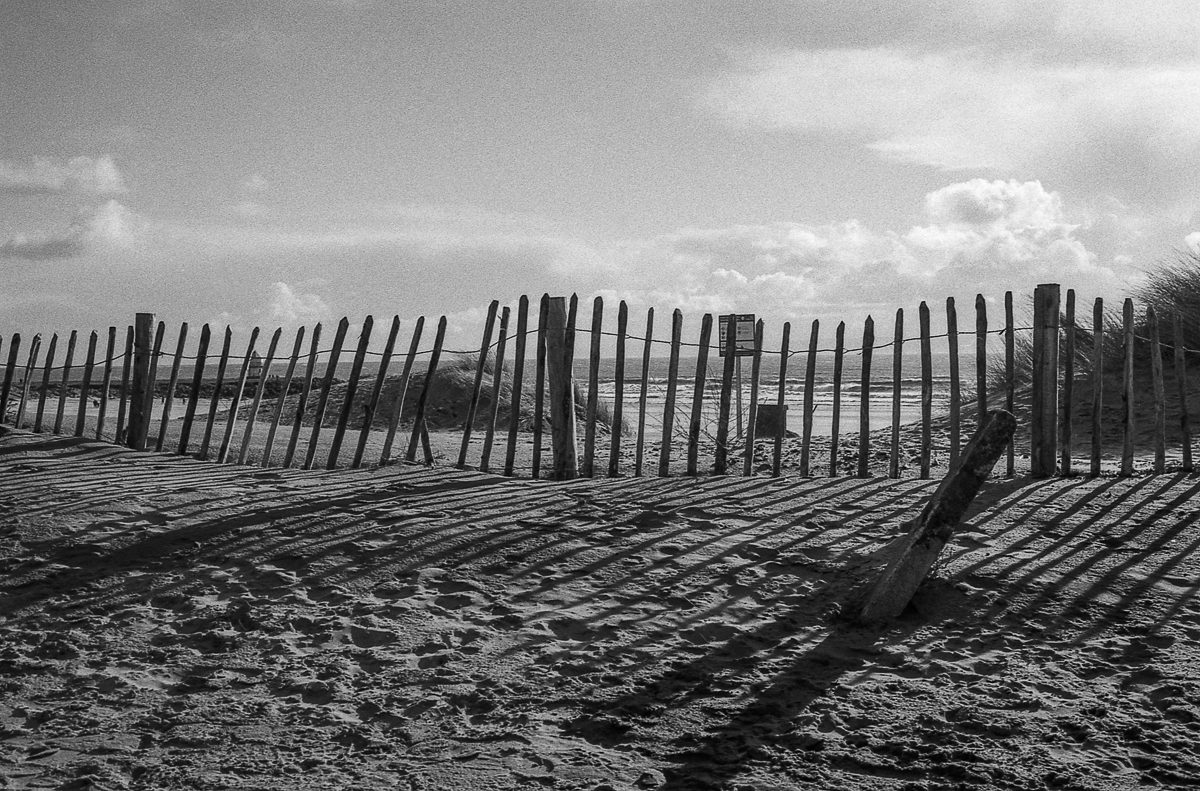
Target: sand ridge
(168, 623)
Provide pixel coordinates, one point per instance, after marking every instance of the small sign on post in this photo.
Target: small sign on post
(743, 332)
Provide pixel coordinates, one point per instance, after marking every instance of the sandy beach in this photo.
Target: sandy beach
(173, 624)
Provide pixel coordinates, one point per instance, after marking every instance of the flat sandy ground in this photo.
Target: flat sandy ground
(172, 624)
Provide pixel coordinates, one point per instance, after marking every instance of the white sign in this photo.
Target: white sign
(743, 332)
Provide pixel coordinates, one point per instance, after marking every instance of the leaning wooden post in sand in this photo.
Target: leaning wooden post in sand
(139, 403)
(562, 392)
(480, 367)
(698, 384)
(26, 378)
(1066, 427)
(810, 378)
(919, 549)
(518, 379)
(1043, 422)
(356, 366)
(587, 468)
(864, 400)
(14, 346)
(85, 386)
(618, 412)
(60, 414)
(1156, 380)
(955, 383)
(1185, 426)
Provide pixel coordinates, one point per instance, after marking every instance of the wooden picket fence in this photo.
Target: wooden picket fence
(126, 378)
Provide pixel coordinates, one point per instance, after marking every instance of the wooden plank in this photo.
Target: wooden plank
(1097, 383)
(468, 426)
(215, 403)
(926, 389)
(781, 400)
(810, 379)
(618, 413)
(839, 363)
(699, 381)
(34, 346)
(1127, 420)
(264, 375)
(280, 399)
(1043, 414)
(1066, 408)
(981, 325)
(172, 381)
(648, 342)
(106, 382)
(918, 550)
(356, 366)
(752, 417)
(897, 373)
(310, 369)
(864, 400)
(335, 354)
(1181, 381)
(189, 412)
(235, 403)
(955, 416)
(372, 404)
(64, 382)
(47, 368)
(539, 387)
(152, 375)
(668, 422)
(1010, 377)
(724, 403)
(414, 343)
(562, 397)
(126, 376)
(419, 429)
(10, 369)
(518, 382)
(1159, 390)
(485, 457)
(85, 386)
(586, 468)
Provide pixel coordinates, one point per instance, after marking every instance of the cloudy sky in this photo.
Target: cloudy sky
(287, 162)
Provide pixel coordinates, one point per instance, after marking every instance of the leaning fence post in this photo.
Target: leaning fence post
(1043, 425)
(562, 392)
(919, 549)
(139, 402)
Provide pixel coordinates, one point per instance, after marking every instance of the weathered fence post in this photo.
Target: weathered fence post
(919, 549)
(562, 391)
(1043, 426)
(139, 402)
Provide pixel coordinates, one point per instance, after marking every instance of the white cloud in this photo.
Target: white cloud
(77, 176)
(110, 226)
(1129, 130)
(288, 307)
(1192, 240)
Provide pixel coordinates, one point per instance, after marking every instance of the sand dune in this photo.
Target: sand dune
(171, 624)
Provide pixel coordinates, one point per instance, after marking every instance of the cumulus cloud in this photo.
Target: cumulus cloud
(1132, 130)
(77, 176)
(287, 306)
(109, 226)
(980, 236)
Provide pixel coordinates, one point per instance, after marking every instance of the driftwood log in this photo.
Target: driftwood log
(919, 549)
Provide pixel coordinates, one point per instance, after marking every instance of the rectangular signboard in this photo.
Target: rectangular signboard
(743, 331)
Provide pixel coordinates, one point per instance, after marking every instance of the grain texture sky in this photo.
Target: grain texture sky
(288, 162)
